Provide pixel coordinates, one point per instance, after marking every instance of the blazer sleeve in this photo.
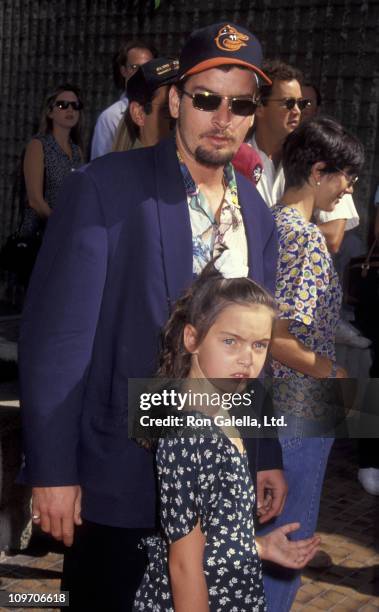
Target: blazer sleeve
(269, 451)
(270, 258)
(57, 333)
(269, 456)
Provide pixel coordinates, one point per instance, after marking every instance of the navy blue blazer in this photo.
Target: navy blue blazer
(116, 253)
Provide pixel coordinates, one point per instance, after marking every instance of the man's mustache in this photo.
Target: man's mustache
(219, 133)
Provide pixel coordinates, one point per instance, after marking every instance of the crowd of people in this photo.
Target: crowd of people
(203, 249)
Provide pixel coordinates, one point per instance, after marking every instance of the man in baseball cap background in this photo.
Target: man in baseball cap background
(147, 119)
(130, 232)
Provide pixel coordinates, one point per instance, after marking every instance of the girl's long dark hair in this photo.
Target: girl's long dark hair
(200, 306)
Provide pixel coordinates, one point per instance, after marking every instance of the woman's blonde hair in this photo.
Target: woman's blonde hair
(126, 134)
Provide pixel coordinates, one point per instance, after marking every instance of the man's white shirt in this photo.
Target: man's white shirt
(106, 127)
(271, 186)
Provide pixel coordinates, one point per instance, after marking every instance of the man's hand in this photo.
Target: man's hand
(57, 510)
(271, 494)
(341, 372)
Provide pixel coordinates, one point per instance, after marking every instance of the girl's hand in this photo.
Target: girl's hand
(276, 547)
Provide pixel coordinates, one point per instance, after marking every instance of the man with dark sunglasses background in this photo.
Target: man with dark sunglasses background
(278, 114)
(129, 234)
(147, 119)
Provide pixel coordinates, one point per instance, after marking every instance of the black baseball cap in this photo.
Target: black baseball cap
(151, 75)
(218, 44)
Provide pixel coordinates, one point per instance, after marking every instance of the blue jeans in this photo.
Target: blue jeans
(305, 461)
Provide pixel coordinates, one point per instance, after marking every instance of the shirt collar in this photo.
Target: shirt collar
(196, 199)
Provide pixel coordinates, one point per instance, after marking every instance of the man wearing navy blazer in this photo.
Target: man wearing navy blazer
(118, 252)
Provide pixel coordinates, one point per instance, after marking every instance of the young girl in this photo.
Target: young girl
(207, 557)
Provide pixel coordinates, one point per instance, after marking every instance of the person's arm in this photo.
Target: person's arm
(56, 338)
(272, 487)
(334, 233)
(188, 584)
(185, 487)
(34, 178)
(287, 349)
(270, 474)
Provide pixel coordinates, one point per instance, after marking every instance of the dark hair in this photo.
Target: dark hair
(144, 98)
(129, 131)
(121, 58)
(316, 90)
(200, 306)
(277, 70)
(320, 139)
(46, 123)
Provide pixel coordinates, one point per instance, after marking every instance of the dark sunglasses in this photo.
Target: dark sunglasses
(205, 101)
(290, 103)
(64, 104)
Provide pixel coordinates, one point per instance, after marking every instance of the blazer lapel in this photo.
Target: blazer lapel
(175, 225)
(252, 223)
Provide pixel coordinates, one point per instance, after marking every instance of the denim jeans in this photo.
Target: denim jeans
(304, 461)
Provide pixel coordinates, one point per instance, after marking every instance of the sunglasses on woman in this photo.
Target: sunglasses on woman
(64, 104)
(290, 103)
(243, 106)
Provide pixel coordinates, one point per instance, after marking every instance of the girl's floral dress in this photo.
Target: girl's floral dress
(205, 478)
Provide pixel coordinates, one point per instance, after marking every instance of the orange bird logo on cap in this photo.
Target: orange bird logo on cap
(229, 39)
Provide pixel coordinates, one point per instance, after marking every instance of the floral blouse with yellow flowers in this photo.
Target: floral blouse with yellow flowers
(209, 235)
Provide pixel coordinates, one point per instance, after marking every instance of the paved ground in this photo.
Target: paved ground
(349, 526)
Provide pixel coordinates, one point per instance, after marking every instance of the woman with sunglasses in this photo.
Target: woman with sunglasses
(53, 153)
(321, 162)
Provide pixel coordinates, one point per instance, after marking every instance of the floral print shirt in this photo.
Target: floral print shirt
(308, 293)
(209, 235)
(205, 478)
